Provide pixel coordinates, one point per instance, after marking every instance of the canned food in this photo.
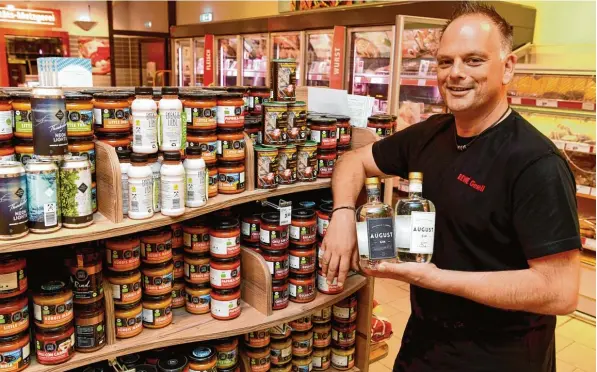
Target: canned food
(75, 192)
(42, 196)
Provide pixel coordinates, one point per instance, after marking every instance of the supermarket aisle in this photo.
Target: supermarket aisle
(575, 339)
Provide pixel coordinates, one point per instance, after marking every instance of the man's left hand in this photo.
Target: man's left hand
(409, 272)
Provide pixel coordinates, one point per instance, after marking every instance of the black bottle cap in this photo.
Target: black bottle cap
(138, 158)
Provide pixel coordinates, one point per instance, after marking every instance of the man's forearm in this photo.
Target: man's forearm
(348, 179)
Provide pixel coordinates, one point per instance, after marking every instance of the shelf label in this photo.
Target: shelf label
(593, 191)
(559, 144)
(515, 100)
(547, 103)
(285, 213)
(589, 106)
(582, 189)
(578, 147)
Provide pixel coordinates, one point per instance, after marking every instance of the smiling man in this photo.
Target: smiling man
(506, 255)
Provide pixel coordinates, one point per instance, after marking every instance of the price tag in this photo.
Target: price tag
(578, 147)
(589, 106)
(547, 103)
(515, 100)
(559, 144)
(285, 213)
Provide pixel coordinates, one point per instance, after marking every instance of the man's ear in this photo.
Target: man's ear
(510, 62)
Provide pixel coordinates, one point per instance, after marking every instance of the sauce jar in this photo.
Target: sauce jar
(198, 298)
(14, 352)
(230, 110)
(79, 114)
(13, 275)
(302, 343)
(326, 159)
(277, 262)
(282, 367)
(227, 353)
(120, 141)
(322, 315)
(90, 326)
(345, 311)
(202, 359)
(257, 339)
(281, 351)
(6, 117)
(126, 286)
(7, 151)
(324, 214)
(266, 159)
(343, 129)
(178, 260)
(279, 294)
(257, 95)
(196, 267)
(178, 293)
(231, 144)
(212, 187)
(324, 287)
(249, 228)
(86, 280)
(128, 319)
(196, 236)
(123, 253)
(259, 359)
(306, 170)
(301, 259)
(22, 120)
(55, 345)
(83, 146)
(323, 132)
(225, 303)
(24, 150)
(157, 310)
(321, 358)
(301, 324)
(275, 123)
(302, 363)
(272, 236)
(380, 125)
(207, 141)
(302, 288)
(158, 278)
(231, 177)
(280, 331)
(156, 246)
(225, 272)
(322, 335)
(112, 112)
(344, 334)
(287, 161)
(297, 122)
(342, 357)
(224, 238)
(177, 235)
(53, 305)
(200, 109)
(171, 363)
(303, 227)
(14, 313)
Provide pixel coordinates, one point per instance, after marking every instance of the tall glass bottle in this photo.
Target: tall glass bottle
(375, 228)
(415, 223)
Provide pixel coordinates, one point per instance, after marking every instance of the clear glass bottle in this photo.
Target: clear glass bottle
(415, 223)
(375, 228)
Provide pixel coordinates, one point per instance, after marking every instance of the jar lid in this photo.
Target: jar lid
(194, 150)
(20, 95)
(55, 330)
(230, 130)
(380, 119)
(302, 276)
(125, 307)
(24, 141)
(13, 338)
(230, 95)
(199, 94)
(225, 260)
(224, 222)
(265, 148)
(112, 95)
(259, 89)
(226, 291)
(201, 131)
(143, 91)
(52, 288)
(338, 117)
(157, 265)
(145, 368)
(271, 252)
(227, 164)
(112, 135)
(123, 274)
(279, 282)
(197, 285)
(172, 363)
(163, 297)
(129, 360)
(202, 354)
(252, 120)
(326, 207)
(303, 213)
(197, 255)
(92, 91)
(307, 204)
(238, 89)
(138, 158)
(123, 154)
(271, 217)
(171, 156)
(80, 139)
(322, 120)
(169, 91)
(75, 96)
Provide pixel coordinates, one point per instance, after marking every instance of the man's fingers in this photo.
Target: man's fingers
(355, 260)
(344, 266)
(333, 268)
(325, 260)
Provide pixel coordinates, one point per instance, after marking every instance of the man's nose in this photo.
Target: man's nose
(457, 70)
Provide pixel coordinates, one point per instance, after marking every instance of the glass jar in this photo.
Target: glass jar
(259, 359)
(90, 326)
(225, 272)
(343, 129)
(281, 351)
(280, 331)
(21, 106)
(324, 214)
(380, 125)
(227, 353)
(212, 188)
(15, 352)
(200, 109)
(301, 324)
(86, 279)
(323, 132)
(272, 235)
(157, 310)
(287, 162)
(202, 358)
(231, 177)
(53, 305)
(345, 311)
(196, 236)
(230, 110)
(302, 363)
(15, 313)
(302, 288)
(55, 345)
(24, 150)
(12, 266)
(207, 141)
(225, 303)
(177, 235)
(253, 129)
(112, 112)
(344, 334)
(178, 293)
(322, 335)
(257, 339)
(126, 286)
(322, 316)
(158, 278)
(257, 95)
(250, 227)
(224, 238)
(6, 117)
(302, 343)
(156, 246)
(324, 287)
(303, 227)
(277, 262)
(198, 298)
(7, 151)
(196, 267)
(321, 358)
(128, 319)
(326, 160)
(178, 260)
(342, 357)
(79, 114)
(280, 294)
(231, 144)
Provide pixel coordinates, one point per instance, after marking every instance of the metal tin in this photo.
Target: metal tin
(48, 108)
(284, 79)
(297, 122)
(75, 192)
(13, 200)
(42, 196)
(266, 159)
(307, 162)
(287, 164)
(275, 123)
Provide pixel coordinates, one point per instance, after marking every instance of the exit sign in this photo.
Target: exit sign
(206, 17)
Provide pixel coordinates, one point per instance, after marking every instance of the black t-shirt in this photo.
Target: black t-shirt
(510, 197)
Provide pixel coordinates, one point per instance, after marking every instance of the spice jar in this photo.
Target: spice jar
(231, 144)
(178, 260)
(52, 305)
(231, 177)
(272, 235)
(280, 294)
(307, 162)
(302, 288)
(178, 293)
(322, 316)
(257, 339)
(196, 267)
(83, 146)
(344, 334)
(13, 275)
(280, 331)
(90, 326)
(321, 358)
(14, 352)
(277, 262)
(157, 310)
(24, 150)
(120, 141)
(156, 246)
(196, 236)
(158, 278)
(302, 343)
(230, 110)
(326, 159)
(202, 358)
(128, 319)
(198, 298)
(380, 125)
(281, 351)
(207, 141)
(345, 311)
(297, 122)
(275, 123)
(14, 313)
(79, 114)
(177, 235)
(322, 334)
(249, 228)
(343, 357)
(324, 214)
(224, 238)
(227, 353)
(225, 303)
(200, 109)
(21, 106)
(323, 132)
(302, 363)
(112, 112)
(55, 345)
(126, 286)
(212, 187)
(301, 259)
(225, 272)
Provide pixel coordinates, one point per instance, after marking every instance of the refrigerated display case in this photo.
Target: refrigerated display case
(255, 61)
(319, 57)
(370, 64)
(199, 61)
(183, 62)
(228, 61)
(289, 45)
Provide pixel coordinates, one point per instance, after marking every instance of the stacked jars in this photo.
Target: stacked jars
(302, 255)
(323, 132)
(178, 288)
(112, 118)
(343, 133)
(273, 246)
(302, 344)
(257, 349)
(382, 125)
(344, 315)
(281, 348)
(322, 338)
(324, 215)
(196, 266)
(227, 355)
(23, 126)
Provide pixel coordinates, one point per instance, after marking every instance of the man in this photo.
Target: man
(506, 255)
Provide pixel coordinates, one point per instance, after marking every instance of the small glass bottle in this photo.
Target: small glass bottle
(375, 228)
(415, 223)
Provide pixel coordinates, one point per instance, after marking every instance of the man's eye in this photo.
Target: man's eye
(474, 61)
(444, 63)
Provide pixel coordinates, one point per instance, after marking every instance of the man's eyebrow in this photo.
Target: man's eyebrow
(474, 53)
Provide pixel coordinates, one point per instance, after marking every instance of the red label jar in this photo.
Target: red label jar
(271, 235)
(322, 335)
(225, 303)
(55, 345)
(14, 313)
(302, 343)
(324, 287)
(230, 110)
(224, 238)
(13, 275)
(53, 305)
(249, 228)
(257, 339)
(257, 95)
(301, 259)
(303, 227)
(259, 359)
(225, 272)
(123, 254)
(196, 267)
(326, 159)
(343, 129)
(156, 246)
(277, 262)
(196, 236)
(345, 311)
(200, 109)
(344, 334)
(323, 132)
(279, 294)
(324, 215)
(231, 177)
(380, 125)
(302, 288)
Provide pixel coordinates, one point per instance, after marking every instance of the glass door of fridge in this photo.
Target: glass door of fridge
(183, 62)
(255, 60)
(319, 58)
(228, 68)
(370, 59)
(199, 60)
(289, 45)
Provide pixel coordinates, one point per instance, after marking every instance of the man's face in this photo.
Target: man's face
(471, 64)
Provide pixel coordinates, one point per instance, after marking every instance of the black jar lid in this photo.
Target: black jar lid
(172, 363)
(202, 354)
(138, 158)
(327, 207)
(171, 156)
(75, 96)
(112, 95)
(303, 213)
(144, 91)
(171, 91)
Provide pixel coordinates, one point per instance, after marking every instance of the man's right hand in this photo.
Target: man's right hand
(340, 245)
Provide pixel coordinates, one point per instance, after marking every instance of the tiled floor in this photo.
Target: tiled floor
(575, 339)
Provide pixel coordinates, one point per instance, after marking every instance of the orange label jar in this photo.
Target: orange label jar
(257, 339)
(178, 260)
(207, 141)
(120, 141)
(225, 272)
(302, 343)
(281, 351)
(277, 262)
(126, 286)
(301, 259)
(380, 125)
(55, 345)
(202, 359)
(212, 187)
(231, 177)
(79, 114)
(266, 159)
(249, 228)
(52, 305)
(177, 235)
(279, 294)
(86, 280)
(322, 335)
(231, 144)
(157, 311)
(13, 275)
(178, 293)
(196, 236)
(324, 214)
(6, 117)
(302, 288)
(196, 267)
(227, 353)
(112, 112)
(224, 238)
(326, 159)
(230, 110)
(90, 326)
(15, 352)
(14, 315)
(259, 359)
(200, 109)
(24, 150)
(197, 298)
(287, 165)
(21, 106)
(156, 246)
(301, 324)
(323, 132)
(303, 227)
(271, 235)
(345, 311)
(129, 319)
(158, 278)
(306, 168)
(324, 287)
(344, 334)
(225, 303)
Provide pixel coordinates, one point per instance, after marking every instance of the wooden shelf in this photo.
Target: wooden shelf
(188, 328)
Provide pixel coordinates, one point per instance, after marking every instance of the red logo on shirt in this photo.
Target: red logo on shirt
(471, 182)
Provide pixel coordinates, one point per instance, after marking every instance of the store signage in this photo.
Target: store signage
(41, 17)
(337, 62)
(208, 60)
(206, 17)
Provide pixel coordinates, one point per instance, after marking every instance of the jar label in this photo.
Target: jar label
(267, 169)
(178, 298)
(325, 167)
(344, 338)
(197, 273)
(281, 356)
(275, 126)
(212, 189)
(49, 126)
(89, 154)
(324, 138)
(13, 282)
(302, 368)
(302, 264)
(42, 199)
(6, 122)
(158, 284)
(303, 234)
(343, 313)
(323, 286)
(229, 278)
(260, 364)
(208, 149)
(301, 292)
(201, 117)
(231, 181)
(15, 360)
(157, 317)
(23, 122)
(13, 193)
(306, 164)
(53, 314)
(112, 118)
(230, 149)
(382, 132)
(172, 194)
(196, 242)
(230, 115)
(79, 121)
(301, 324)
(178, 266)
(122, 260)
(154, 252)
(322, 225)
(322, 316)
(278, 269)
(141, 195)
(86, 282)
(90, 336)
(321, 339)
(15, 321)
(224, 246)
(75, 195)
(321, 362)
(145, 130)
(280, 298)
(287, 167)
(127, 327)
(227, 359)
(274, 239)
(342, 361)
(196, 186)
(55, 352)
(171, 131)
(225, 309)
(344, 135)
(197, 304)
(127, 293)
(302, 347)
(250, 231)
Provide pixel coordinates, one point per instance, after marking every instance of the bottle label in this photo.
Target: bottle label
(145, 130)
(140, 195)
(6, 122)
(197, 186)
(274, 239)
(124, 181)
(422, 232)
(227, 359)
(112, 118)
(301, 292)
(171, 130)
(321, 362)
(172, 194)
(380, 234)
(415, 187)
(156, 199)
(79, 121)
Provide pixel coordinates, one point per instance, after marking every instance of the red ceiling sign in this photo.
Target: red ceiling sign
(39, 17)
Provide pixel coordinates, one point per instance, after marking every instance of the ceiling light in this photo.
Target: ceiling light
(85, 23)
